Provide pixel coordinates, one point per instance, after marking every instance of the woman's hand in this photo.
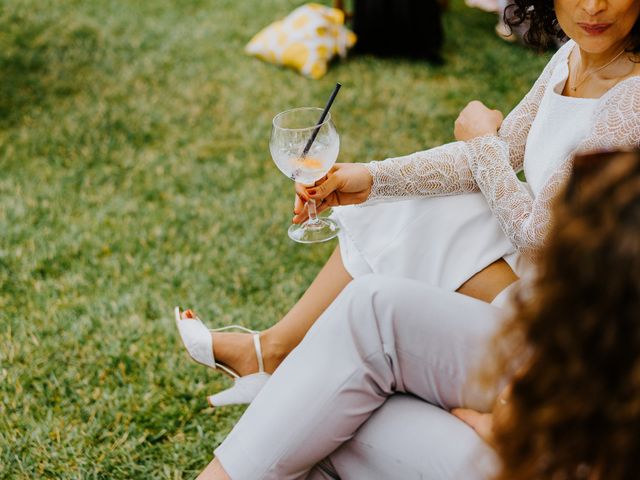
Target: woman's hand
(482, 423)
(344, 184)
(476, 120)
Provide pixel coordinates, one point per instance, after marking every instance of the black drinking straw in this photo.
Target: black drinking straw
(322, 117)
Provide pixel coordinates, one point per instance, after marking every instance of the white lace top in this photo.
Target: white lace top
(489, 163)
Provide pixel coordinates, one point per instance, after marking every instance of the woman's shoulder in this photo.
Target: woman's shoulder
(627, 91)
(562, 54)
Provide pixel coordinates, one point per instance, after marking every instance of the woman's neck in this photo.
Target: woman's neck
(591, 75)
(592, 61)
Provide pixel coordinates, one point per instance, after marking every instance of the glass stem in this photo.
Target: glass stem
(313, 213)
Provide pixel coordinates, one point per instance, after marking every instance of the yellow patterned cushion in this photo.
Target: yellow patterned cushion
(306, 40)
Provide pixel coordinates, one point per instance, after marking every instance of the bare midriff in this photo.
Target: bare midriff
(489, 282)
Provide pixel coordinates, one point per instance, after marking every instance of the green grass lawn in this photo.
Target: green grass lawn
(135, 176)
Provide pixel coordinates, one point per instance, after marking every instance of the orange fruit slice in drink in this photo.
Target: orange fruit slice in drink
(310, 163)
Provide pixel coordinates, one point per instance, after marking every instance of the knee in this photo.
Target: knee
(380, 289)
(369, 293)
(385, 296)
(367, 286)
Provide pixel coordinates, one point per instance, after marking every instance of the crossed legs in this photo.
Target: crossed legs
(381, 336)
(405, 438)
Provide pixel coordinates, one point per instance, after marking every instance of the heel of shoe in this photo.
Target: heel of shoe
(243, 391)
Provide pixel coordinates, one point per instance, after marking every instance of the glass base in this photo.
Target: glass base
(323, 230)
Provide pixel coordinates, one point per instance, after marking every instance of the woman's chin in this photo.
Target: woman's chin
(595, 44)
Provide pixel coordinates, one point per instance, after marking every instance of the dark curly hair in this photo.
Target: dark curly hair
(540, 16)
(574, 409)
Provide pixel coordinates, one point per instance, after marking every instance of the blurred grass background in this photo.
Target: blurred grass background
(135, 176)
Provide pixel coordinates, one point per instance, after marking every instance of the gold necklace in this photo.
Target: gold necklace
(588, 74)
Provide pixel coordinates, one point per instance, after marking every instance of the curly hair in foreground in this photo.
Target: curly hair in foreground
(543, 23)
(574, 411)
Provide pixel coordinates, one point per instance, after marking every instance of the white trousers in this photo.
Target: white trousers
(381, 336)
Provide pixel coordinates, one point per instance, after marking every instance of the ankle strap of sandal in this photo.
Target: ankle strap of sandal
(233, 327)
(256, 344)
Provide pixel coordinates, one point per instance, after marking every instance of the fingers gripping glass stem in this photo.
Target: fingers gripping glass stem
(313, 213)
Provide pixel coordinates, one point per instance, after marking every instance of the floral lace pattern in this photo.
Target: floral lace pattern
(524, 218)
(490, 163)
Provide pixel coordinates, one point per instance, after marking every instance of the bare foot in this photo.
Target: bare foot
(237, 351)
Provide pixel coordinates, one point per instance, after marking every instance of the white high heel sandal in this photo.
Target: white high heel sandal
(198, 341)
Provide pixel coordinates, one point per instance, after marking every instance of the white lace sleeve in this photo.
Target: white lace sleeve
(524, 219)
(445, 170)
(442, 170)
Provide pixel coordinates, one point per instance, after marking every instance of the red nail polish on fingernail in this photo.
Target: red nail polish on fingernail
(311, 192)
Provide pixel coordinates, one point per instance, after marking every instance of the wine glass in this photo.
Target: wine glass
(291, 136)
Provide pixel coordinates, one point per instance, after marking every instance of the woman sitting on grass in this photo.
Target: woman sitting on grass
(475, 227)
(572, 411)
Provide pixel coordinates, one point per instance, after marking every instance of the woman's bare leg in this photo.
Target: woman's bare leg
(236, 350)
(285, 335)
(214, 471)
(489, 281)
